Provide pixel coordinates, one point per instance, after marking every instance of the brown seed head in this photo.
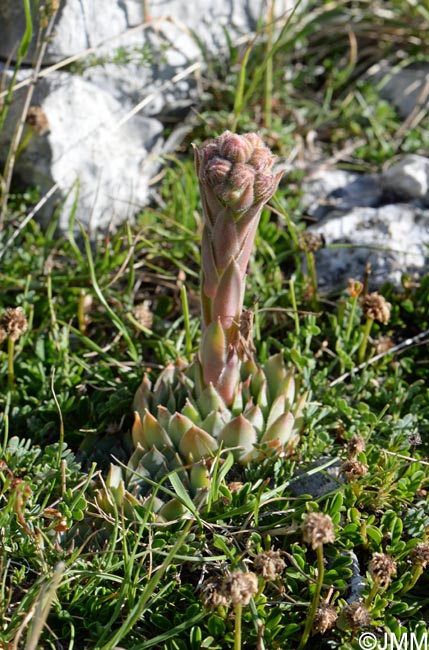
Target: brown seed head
(355, 446)
(310, 242)
(37, 120)
(213, 594)
(325, 618)
(419, 556)
(382, 567)
(240, 586)
(318, 529)
(143, 314)
(14, 322)
(355, 616)
(269, 565)
(353, 469)
(376, 307)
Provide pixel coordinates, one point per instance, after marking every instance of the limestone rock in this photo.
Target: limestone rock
(103, 168)
(408, 179)
(392, 238)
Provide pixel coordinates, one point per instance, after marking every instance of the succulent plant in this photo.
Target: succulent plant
(223, 400)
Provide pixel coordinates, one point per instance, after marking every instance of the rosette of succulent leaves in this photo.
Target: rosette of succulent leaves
(224, 401)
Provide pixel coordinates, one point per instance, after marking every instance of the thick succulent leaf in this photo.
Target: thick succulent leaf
(215, 422)
(239, 433)
(179, 424)
(262, 399)
(237, 403)
(287, 388)
(153, 434)
(115, 484)
(228, 379)
(137, 430)
(227, 302)
(257, 382)
(280, 430)
(224, 239)
(213, 352)
(142, 396)
(299, 411)
(200, 476)
(163, 416)
(278, 407)
(275, 373)
(209, 401)
(210, 278)
(154, 461)
(190, 411)
(255, 416)
(114, 478)
(197, 444)
(172, 510)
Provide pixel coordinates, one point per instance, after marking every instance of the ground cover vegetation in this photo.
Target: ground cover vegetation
(259, 563)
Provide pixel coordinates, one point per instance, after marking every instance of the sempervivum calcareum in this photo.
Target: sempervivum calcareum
(224, 399)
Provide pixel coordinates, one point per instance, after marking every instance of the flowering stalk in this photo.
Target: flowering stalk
(236, 181)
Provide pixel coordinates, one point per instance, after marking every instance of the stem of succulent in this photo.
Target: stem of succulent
(364, 343)
(316, 598)
(236, 181)
(238, 611)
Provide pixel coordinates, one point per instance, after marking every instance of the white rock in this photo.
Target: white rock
(392, 238)
(89, 23)
(328, 189)
(106, 167)
(408, 178)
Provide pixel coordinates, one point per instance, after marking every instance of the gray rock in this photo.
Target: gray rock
(104, 132)
(102, 170)
(406, 89)
(318, 478)
(82, 24)
(408, 179)
(392, 238)
(335, 189)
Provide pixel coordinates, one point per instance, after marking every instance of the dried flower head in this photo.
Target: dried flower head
(14, 322)
(235, 486)
(143, 314)
(419, 556)
(355, 287)
(325, 618)
(318, 529)
(37, 120)
(376, 307)
(355, 446)
(353, 469)
(240, 586)
(382, 567)
(269, 565)
(310, 242)
(354, 616)
(213, 593)
(3, 335)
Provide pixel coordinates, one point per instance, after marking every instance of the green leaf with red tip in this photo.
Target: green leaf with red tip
(213, 352)
(239, 433)
(197, 444)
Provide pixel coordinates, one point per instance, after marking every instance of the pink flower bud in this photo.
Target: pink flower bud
(235, 147)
